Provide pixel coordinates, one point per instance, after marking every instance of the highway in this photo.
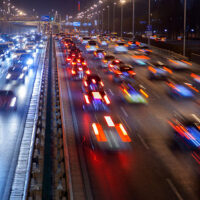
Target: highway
(12, 123)
(149, 167)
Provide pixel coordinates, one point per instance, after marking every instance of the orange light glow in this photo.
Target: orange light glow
(186, 62)
(98, 131)
(132, 72)
(144, 93)
(140, 57)
(173, 61)
(88, 71)
(122, 133)
(109, 121)
(73, 72)
(152, 69)
(168, 70)
(191, 87)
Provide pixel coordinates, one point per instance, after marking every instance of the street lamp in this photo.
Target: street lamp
(108, 19)
(184, 28)
(133, 22)
(114, 16)
(149, 21)
(122, 3)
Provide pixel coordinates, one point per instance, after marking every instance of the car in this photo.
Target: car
(159, 72)
(30, 47)
(2, 55)
(179, 64)
(134, 92)
(121, 47)
(8, 100)
(99, 54)
(186, 134)
(79, 61)
(132, 45)
(78, 72)
(26, 59)
(114, 63)
(19, 52)
(180, 89)
(123, 72)
(41, 45)
(103, 42)
(139, 58)
(15, 73)
(91, 46)
(92, 82)
(109, 134)
(85, 40)
(72, 56)
(106, 60)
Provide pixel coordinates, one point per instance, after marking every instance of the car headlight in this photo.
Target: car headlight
(21, 76)
(13, 102)
(8, 76)
(29, 61)
(25, 68)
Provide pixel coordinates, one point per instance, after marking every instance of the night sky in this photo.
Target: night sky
(44, 6)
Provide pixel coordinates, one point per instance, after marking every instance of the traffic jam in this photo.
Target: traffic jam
(139, 75)
(18, 54)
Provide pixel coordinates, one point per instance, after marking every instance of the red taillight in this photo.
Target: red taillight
(102, 84)
(80, 69)
(110, 65)
(94, 81)
(88, 71)
(117, 61)
(73, 63)
(84, 63)
(85, 83)
(73, 72)
(78, 60)
(68, 59)
(106, 99)
(132, 73)
(87, 99)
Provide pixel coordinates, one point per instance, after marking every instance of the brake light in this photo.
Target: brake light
(111, 65)
(168, 70)
(98, 131)
(109, 121)
(73, 55)
(85, 83)
(132, 72)
(102, 84)
(78, 60)
(87, 99)
(73, 72)
(73, 63)
(152, 69)
(117, 61)
(68, 59)
(122, 129)
(84, 63)
(106, 99)
(105, 61)
(88, 71)
(80, 69)
(118, 72)
(94, 81)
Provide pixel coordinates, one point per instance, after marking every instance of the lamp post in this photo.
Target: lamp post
(108, 19)
(184, 28)
(114, 4)
(133, 22)
(122, 3)
(102, 20)
(149, 21)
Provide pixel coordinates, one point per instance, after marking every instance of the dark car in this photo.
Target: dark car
(15, 73)
(78, 72)
(8, 100)
(95, 97)
(123, 72)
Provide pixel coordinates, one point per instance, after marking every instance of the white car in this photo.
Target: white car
(120, 48)
(30, 47)
(91, 46)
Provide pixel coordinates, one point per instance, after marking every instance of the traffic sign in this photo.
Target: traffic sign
(45, 18)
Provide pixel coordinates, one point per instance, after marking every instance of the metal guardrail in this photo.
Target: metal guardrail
(22, 172)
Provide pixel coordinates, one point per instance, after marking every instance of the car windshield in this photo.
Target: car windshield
(20, 51)
(93, 43)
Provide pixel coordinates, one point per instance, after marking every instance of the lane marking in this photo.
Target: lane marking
(143, 142)
(174, 189)
(111, 92)
(124, 111)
